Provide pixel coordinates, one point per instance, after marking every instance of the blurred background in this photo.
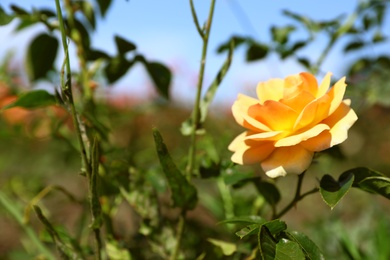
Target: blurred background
(273, 39)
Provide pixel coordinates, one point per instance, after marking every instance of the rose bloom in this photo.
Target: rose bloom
(290, 120)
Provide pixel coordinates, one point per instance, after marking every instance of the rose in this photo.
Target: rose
(290, 120)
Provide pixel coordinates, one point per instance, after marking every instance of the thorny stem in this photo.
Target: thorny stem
(67, 90)
(195, 115)
(298, 196)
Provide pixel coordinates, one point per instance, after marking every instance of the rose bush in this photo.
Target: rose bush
(290, 120)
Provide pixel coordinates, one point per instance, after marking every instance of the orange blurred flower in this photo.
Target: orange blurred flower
(290, 120)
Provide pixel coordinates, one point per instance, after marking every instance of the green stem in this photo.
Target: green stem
(298, 197)
(11, 207)
(195, 114)
(67, 90)
(324, 54)
(179, 234)
(77, 38)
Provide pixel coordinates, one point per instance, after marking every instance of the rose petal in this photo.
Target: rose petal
(324, 86)
(240, 113)
(270, 90)
(272, 135)
(292, 86)
(313, 113)
(309, 83)
(339, 122)
(336, 93)
(283, 160)
(245, 154)
(273, 114)
(296, 139)
(298, 102)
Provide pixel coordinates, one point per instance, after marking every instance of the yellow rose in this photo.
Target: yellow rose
(290, 120)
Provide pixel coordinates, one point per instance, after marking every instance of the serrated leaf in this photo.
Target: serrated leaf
(226, 247)
(333, 191)
(276, 226)
(4, 17)
(41, 55)
(248, 230)
(33, 99)
(378, 185)
(354, 46)
(256, 52)
(116, 68)
(288, 250)
(161, 77)
(184, 194)
(309, 248)
(124, 45)
(266, 244)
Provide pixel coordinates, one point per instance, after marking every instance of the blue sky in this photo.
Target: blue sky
(164, 31)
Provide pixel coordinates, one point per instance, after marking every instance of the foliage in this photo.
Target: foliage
(137, 195)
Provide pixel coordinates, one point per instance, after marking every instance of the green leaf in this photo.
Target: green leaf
(89, 13)
(124, 45)
(4, 17)
(116, 68)
(115, 252)
(226, 247)
(235, 40)
(248, 230)
(41, 55)
(378, 37)
(354, 46)
(309, 248)
(235, 177)
(93, 54)
(33, 99)
(370, 181)
(288, 250)
(333, 191)
(184, 195)
(209, 95)
(266, 244)
(161, 77)
(18, 10)
(256, 51)
(281, 34)
(275, 227)
(379, 185)
(103, 6)
(269, 191)
(305, 62)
